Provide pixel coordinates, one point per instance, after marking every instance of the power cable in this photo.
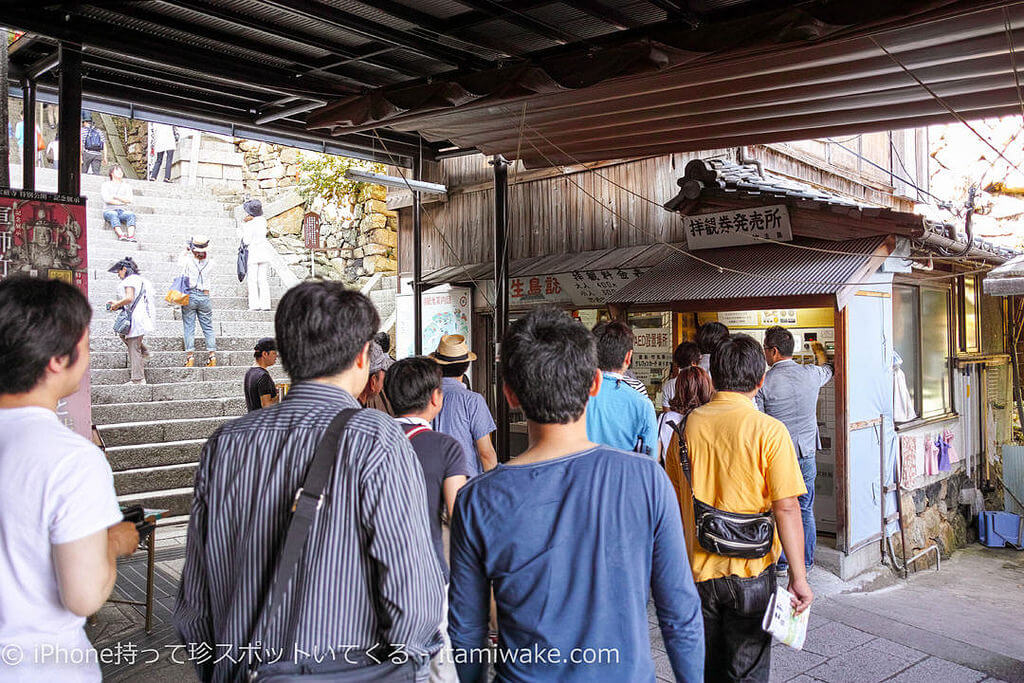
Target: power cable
(437, 229)
(941, 101)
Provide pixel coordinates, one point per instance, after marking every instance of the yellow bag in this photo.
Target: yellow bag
(178, 293)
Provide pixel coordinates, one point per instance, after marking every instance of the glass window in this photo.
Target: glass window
(921, 335)
(970, 341)
(906, 330)
(935, 378)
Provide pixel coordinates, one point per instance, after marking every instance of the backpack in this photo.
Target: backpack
(93, 140)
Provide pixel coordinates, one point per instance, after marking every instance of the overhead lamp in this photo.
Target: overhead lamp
(395, 182)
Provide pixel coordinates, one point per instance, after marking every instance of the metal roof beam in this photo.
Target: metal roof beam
(367, 55)
(440, 27)
(299, 62)
(516, 14)
(378, 32)
(608, 15)
(158, 53)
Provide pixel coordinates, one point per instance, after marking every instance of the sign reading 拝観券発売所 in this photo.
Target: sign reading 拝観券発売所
(738, 227)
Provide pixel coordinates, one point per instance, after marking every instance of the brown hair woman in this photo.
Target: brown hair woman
(692, 390)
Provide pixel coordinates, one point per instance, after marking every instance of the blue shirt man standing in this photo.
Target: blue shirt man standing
(464, 416)
(790, 395)
(619, 416)
(574, 537)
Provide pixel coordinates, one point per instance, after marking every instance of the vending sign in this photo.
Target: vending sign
(43, 235)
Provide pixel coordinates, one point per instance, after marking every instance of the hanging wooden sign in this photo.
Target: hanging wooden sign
(738, 227)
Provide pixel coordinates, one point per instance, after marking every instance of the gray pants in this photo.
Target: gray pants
(135, 351)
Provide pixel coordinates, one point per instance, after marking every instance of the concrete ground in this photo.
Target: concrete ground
(963, 623)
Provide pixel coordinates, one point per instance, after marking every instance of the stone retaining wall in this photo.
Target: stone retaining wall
(362, 236)
(933, 513)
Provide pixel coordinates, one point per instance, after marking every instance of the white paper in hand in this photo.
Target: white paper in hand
(783, 622)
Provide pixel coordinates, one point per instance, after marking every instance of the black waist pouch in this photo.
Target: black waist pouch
(733, 534)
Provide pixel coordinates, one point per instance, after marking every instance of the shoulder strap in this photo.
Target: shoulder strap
(307, 502)
(684, 453)
(142, 288)
(418, 430)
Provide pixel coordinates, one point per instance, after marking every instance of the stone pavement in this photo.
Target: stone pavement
(963, 623)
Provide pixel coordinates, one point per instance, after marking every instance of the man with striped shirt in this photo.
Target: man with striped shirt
(368, 581)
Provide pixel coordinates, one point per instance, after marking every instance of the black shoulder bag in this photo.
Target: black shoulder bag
(732, 534)
(347, 667)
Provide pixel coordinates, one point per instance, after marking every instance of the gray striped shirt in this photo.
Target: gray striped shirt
(368, 574)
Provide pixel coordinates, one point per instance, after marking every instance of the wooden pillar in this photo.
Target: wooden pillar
(500, 298)
(69, 164)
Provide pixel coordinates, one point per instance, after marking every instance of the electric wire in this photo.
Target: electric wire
(941, 101)
(437, 229)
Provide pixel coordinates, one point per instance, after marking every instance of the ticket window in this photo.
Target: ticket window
(806, 325)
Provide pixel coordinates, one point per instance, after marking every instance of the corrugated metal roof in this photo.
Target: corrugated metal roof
(643, 256)
(768, 270)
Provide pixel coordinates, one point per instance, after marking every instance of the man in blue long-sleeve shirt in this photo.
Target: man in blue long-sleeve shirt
(574, 537)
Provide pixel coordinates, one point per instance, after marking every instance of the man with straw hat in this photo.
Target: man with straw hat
(464, 416)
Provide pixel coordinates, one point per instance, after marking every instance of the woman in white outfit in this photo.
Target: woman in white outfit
(143, 313)
(254, 236)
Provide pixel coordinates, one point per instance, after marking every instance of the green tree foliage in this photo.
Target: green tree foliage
(322, 176)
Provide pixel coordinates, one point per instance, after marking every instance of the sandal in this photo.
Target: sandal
(190, 360)
(212, 362)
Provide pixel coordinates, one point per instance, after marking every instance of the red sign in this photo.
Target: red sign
(43, 235)
(311, 230)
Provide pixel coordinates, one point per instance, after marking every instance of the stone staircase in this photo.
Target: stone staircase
(154, 432)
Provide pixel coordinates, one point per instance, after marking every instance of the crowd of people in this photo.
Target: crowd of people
(316, 528)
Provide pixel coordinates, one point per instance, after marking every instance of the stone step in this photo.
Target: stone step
(46, 181)
(162, 277)
(174, 372)
(118, 394)
(176, 501)
(215, 226)
(167, 328)
(168, 410)
(97, 288)
(108, 342)
(154, 479)
(168, 313)
(159, 431)
(154, 454)
(166, 205)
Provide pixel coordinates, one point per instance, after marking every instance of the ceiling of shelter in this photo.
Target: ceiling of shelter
(552, 82)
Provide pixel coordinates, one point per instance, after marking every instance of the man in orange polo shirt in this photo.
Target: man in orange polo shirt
(743, 462)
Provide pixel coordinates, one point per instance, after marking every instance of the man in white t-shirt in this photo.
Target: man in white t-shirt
(61, 530)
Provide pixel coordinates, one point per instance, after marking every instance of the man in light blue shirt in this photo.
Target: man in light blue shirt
(573, 537)
(464, 415)
(619, 416)
(790, 395)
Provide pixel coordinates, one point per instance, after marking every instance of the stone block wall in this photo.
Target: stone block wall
(362, 236)
(268, 170)
(933, 513)
(134, 139)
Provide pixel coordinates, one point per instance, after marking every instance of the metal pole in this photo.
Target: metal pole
(417, 260)
(69, 164)
(28, 129)
(500, 297)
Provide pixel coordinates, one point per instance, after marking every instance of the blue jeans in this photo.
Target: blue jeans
(198, 306)
(809, 469)
(119, 217)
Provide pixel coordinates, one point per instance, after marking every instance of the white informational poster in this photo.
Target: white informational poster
(652, 353)
(446, 310)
